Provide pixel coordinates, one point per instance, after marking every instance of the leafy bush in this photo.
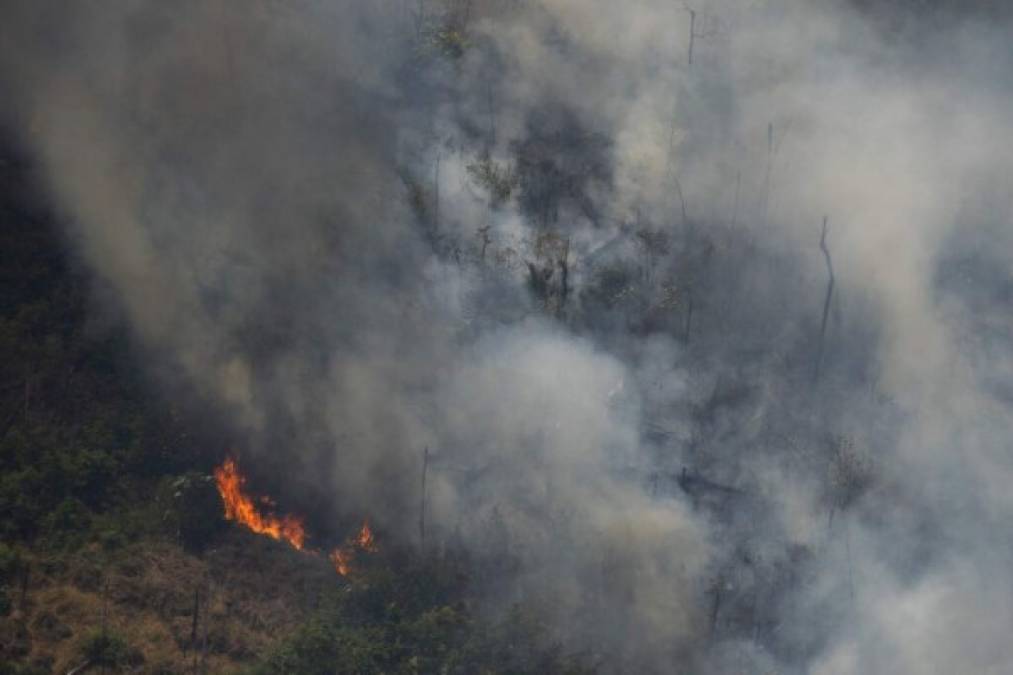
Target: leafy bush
(15, 669)
(325, 647)
(415, 621)
(67, 526)
(5, 602)
(105, 649)
(10, 563)
(195, 509)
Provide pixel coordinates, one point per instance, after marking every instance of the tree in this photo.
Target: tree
(826, 301)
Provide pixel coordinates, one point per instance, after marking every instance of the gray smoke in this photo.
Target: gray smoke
(584, 272)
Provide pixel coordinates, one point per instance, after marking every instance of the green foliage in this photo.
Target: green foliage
(196, 512)
(323, 647)
(11, 566)
(15, 669)
(415, 621)
(67, 523)
(109, 650)
(78, 437)
(517, 643)
(10, 563)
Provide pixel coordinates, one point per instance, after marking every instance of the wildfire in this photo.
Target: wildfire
(342, 556)
(365, 540)
(342, 560)
(241, 508)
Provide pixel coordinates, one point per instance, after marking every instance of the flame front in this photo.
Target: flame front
(365, 540)
(241, 508)
(342, 556)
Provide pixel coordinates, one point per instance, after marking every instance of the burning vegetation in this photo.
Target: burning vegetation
(343, 556)
(242, 508)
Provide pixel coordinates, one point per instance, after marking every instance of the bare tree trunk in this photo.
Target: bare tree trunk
(26, 573)
(492, 116)
(682, 202)
(105, 588)
(735, 207)
(422, 505)
(847, 550)
(28, 394)
(436, 195)
(9, 422)
(204, 637)
(193, 627)
(826, 301)
(715, 608)
(692, 33)
(486, 239)
(688, 328)
(420, 19)
(564, 276)
(766, 175)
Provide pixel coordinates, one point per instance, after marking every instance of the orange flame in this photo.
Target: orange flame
(343, 556)
(365, 540)
(342, 560)
(241, 508)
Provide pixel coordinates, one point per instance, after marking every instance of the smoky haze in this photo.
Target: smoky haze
(574, 249)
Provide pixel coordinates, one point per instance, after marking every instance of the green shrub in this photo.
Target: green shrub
(10, 563)
(412, 623)
(323, 647)
(67, 525)
(195, 511)
(15, 669)
(5, 602)
(109, 650)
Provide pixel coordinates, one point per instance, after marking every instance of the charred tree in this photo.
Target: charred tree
(826, 301)
(688, 325)
(483, 233)
(767, 171)
(422, 505)
(204, 636)
(192, 644)
(692, 34)
(735, 206)
(436, 194)
(563, 261)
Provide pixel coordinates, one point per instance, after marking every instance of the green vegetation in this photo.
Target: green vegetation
(110, 650)
(383, 628)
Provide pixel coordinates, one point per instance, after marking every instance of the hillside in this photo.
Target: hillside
(116, 554)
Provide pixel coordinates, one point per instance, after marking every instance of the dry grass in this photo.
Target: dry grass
(253, 591)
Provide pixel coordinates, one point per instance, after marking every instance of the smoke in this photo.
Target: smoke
(585, 273)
